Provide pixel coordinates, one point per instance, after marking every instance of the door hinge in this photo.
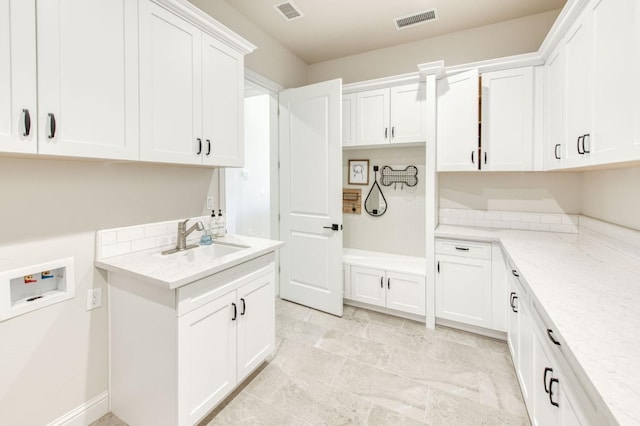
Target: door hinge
(278, 163)
(279, 269)
(278, 217)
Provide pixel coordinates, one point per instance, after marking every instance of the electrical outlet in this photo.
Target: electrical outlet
(209, 203)
(94, 298)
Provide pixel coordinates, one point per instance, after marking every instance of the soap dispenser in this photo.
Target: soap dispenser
(207, 237)
(222, 227)
(213, 225)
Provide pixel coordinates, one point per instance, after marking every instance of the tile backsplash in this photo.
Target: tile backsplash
(130, 239)
(550, 222)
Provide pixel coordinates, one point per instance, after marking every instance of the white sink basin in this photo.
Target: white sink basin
(202, 253)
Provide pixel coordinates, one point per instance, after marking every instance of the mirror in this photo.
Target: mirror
(375, 204)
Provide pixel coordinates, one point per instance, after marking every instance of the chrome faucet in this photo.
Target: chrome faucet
(183, 233)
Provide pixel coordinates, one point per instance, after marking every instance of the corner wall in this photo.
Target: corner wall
(612, 196)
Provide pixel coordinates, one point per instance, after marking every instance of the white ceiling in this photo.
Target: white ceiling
(335, 28)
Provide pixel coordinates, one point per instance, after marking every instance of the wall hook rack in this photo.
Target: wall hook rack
(408, 176)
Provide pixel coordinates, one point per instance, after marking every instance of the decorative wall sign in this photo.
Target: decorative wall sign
(358, 172)
(352, 200)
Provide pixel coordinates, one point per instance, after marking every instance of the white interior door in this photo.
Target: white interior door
(310, 186)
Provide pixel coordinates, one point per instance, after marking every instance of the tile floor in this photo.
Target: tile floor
(369, 368)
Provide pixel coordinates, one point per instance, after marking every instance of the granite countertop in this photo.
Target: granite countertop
(175, 270)
(591, 293)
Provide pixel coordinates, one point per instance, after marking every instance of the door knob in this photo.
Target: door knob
(333, 227)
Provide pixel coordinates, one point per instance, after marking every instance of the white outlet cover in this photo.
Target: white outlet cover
(209, 203)
(94, 298)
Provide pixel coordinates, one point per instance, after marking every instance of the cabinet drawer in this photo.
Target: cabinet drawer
(201, 292)
(473, 249)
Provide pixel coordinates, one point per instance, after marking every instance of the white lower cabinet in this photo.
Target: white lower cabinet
(551, 400)
(206, 334)
(540, 367)
(393, 290)
(519, 335)
(464, 282)
(176, 354)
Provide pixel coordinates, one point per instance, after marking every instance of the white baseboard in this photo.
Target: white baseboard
(86, 413)
(500, 335)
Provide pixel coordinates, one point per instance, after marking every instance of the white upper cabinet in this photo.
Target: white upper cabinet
(554, 117)
(349, 119)
(491, 130)
(18, 112)
(384, 116)
(170, 87)
(88, 78)
(507, 120)
(613, 23)
(600, 107)
(120, 79)
(577, 64)
(372, 117)
(191, 91)
(458, 113)
(408, 113)
(222, 104)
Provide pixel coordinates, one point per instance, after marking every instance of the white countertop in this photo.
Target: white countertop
(591, 293)
(176, 270)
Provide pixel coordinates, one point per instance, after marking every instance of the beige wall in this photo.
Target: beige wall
(56, 358)
(612, 196)
(271, 59)
(543, 192)
(507, 38)
(401, 230)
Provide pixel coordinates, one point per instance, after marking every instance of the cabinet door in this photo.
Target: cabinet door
(512, 327)
(613, 94)
(463, 290)
(578, 49)
(367, 285)
(406, 293)
(373, 117)
(222, 104)
(408, 113)
(256, 323)
(88, 78)
(346, 281)
(507, 120)
(554, 109)
(525, 349)
(206, 358)
(458, 114)
(170, 87)
(544, 413)
(349, 119)
(18, 76)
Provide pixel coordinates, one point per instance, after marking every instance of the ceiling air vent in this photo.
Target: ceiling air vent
(415, 19)
(288, 10)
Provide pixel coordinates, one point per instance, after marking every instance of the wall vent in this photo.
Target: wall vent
(415, 19)
(288, 10)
